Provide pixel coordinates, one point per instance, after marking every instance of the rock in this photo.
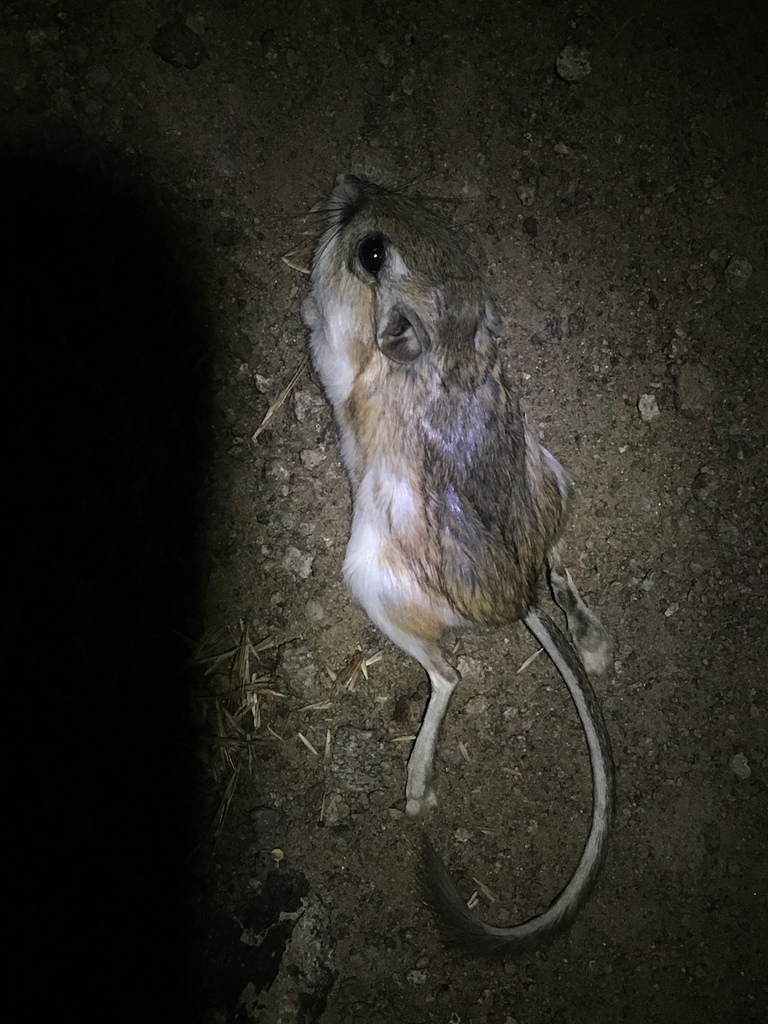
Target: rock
(416, 977)
(278, 470)
(356, 760)
(648, 408)
(694, 391)
(303, 677)
(335, 809)
(408, 83)
(738, 272)
(311, 458)
(649, 581)
(266, 821)
(298, 562)
(477, 705)
(299, 989)
(228, 234)
(572, 64)
(470, 669)
(740, 766)
(315, 611)
(307, 405)
(704, 485)
(526, 193)
(307, 973)
(178, 45)
(97, 77)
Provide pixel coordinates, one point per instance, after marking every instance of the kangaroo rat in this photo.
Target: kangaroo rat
(456, 507)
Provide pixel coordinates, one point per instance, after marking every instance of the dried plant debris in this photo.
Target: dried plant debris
(235, 687)
(280, 400)
(358, 664)
(239, 682)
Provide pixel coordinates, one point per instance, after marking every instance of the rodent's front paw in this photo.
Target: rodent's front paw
(416, 805)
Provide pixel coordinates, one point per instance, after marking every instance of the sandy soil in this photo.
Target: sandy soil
(156, 173)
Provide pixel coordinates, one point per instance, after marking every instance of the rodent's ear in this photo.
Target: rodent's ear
(401, 335)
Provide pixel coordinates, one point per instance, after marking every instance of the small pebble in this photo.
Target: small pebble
(648, 407)
(526, 194)
(704, 485)
(573, 64)
(298, 562)
(417, 977)
(178, 45)
(356, 760)
(695, 391)
(335, 809)
(300, 673)
(476, 705)
(738, 272)
(649, 581)
(470, 669)
(98, 77)
(306, 405)
(311, 458)
(278, 470)
(266, 820)
(740, 766)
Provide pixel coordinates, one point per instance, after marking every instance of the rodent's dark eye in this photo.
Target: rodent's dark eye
(372, 253)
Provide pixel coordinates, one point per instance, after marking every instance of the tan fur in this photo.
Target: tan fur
(418, 620)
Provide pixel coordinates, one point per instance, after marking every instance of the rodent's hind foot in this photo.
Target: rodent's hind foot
(594, 645)
(588, 635)
(418, 805)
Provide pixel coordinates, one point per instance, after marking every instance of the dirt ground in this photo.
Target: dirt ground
(159, 163)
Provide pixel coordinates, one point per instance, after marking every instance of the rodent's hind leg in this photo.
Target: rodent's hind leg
(419, 792)
(416, 630)
(589, 635)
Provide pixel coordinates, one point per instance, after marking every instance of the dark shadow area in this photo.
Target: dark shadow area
(105, 410)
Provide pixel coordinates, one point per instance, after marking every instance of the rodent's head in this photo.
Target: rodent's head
(402, 271)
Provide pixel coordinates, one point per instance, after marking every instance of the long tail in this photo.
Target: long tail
(460, 928)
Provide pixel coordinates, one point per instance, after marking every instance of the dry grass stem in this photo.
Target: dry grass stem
(218, 821)
(373, 660)
(280, 400)
(528, 661)
(348, 676)
(307, 744)
(484, 890)
(333, 676)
